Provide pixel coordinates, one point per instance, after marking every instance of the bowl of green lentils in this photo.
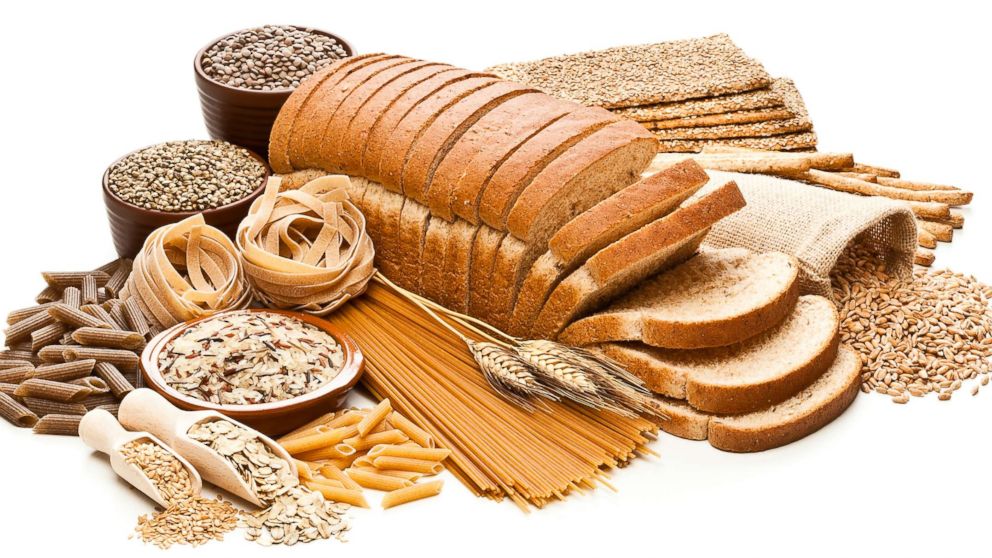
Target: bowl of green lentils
(165, 183)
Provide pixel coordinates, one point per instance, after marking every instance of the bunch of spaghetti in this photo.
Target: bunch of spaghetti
(185, 271)
(306, 249)
(498, 449)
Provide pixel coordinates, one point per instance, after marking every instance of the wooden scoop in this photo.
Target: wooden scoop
(101, 431)
(143, 409)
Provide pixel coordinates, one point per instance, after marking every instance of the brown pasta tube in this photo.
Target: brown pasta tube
(64, 279)
(65, 371)
(120, 358)
(102, 296)
(23, 329)
(15, 413)
(135, 317)
(99, 400)
(120, 320)
(48, 295)
(92, 382)
(132, 378)
(89, 290)
(55, 391)
(112, 409)
(110, 338)
(8, 364)
(101, 314)
(16, 375)
(8, 388)
(48, 335)
(18, 355)
(24, 313)
(53, 353)
(42, 407)
(119, 277)
(62, 425)
(74, 317)
(119, 384)
(72, 297)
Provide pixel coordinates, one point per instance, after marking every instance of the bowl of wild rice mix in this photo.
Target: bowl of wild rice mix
(271, 369)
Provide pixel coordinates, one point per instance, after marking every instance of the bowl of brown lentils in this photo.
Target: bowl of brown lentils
(245, 77)
(165, 183)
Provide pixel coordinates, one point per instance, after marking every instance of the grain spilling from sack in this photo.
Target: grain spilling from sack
(920, 335)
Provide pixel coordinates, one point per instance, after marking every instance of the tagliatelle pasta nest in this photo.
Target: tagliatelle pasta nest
(185, 271)
(306, 249)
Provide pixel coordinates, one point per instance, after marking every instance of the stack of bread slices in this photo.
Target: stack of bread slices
(518, 208)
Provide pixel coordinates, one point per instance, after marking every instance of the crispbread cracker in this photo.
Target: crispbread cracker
(643, 74)
(749, 100)
(783, 142)
(737, 117)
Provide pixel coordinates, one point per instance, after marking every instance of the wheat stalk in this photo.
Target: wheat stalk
(509, 374)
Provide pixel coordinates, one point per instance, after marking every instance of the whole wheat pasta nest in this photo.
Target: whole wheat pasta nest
(306, 249)
(185, 271)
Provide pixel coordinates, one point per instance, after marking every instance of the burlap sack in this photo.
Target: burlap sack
(815, 225)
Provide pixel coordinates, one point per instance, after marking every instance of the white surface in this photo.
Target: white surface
(84, 84)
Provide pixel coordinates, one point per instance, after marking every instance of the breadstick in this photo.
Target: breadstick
(63, 372)
(930, 210)
(15, 413)
(63, 425)
(815, 160)
(118, 384)
(855, 186)
(941, 231)
(64, 279)
(109, 338)
(911, 185)
(787, 166)
(860, 176)
(925, 239)
(55, 391)
(877, 171)
(923, 257)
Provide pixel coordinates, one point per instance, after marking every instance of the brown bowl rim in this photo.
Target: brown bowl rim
(352, 368)
(198, 66)
(180, 215)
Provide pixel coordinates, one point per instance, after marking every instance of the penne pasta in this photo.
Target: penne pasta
(108, 338)
(116, 312)
(92, 382)
(48, 335)
(53, 353)
(376, 481)
(338, 463)
(374, 418)
(22, 314)
(337, 451)
(119, 274)
(9, 389)
(14, 363)
(363, 461)
(135, 318)
(408, 475)
(49, 295)
(407, 464)
(65, 279)
(15, 413)
(411, 452)
(55, 391)
(333, 472)
(16, 375)
(120, 358)
(62, 425)
(71, 297)
(112, 409)
(328, 482)
(411, 494)
(63, 372)
(88, 290)
(73, 317)
(335, 494)
(388, 437)
(319, 440)
(42, 407)
(118, 383)
(411, 430)
(23, 329)
(304, 470)
(99, 400)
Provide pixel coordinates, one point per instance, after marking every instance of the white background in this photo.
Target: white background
(902, 87)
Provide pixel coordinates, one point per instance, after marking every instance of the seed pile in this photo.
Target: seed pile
(193, 521)
(191, 175)
(269, 57)
(243, 358)
(295, 514)
(928, 334)
(162, 468)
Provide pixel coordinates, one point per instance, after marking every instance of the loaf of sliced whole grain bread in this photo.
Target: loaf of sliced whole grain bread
(637, 256)
(501, 189)
(418, 120)
(492, 128)
(797, 417)
(756, 373)
(581, 177)
(437, 138)
(414, 219)
(608, 221)
(717, 298)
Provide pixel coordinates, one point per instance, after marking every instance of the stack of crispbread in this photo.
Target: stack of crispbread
(690, 93)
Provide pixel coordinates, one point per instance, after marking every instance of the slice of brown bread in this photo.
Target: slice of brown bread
(410, 244)
(432, 259)
(371, 206)
(334, 151)
(608, 221)
(741, 378)
(626, 211)
(588, 173)
(500, 190)
(381, 132)
(484, 252)
(304, 141)
(501, 146)
(409, 129)
(436, 139)
(637, 256)
(490, 128)
(513, 259)
(457, 265)
(717, 298)
(390, 208)
(797, 417)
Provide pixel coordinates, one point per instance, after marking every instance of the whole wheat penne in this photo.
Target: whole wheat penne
(99, 400)
(15, 413)
(42, 407)
(333, 472)
(63, 279)
(101, 314)
(407, 464)
(925, 239)
(19, 355)
(56, 391)
(362, 443)
(123, 359)
(319, 440)
(92, 382)
(74, 317)
(117, 314)
(88, 289)
(941, 231)
(72, 297)
(61, 425)
(411, 493)
(48, 335)
(375, 481)
(135, 318)
(23, 329)
(108, 338)
(411, 430)
(16, 375)
(8, 388)
(131, 377)
(64, 372)
(118, 277)
(336, 494)
(22, 314)
(337, 451)
(912, 185)
(48, 295)
(410, 452)
(113, 409)
(110, 266)
(376, 416)
(119, 384)
(12, 363)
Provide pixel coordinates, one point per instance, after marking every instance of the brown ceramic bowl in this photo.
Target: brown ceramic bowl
(130, 225)
(277, 417)
(243, 116)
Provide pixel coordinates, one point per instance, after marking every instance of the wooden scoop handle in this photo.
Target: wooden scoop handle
(145, 410)
(101, 431)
